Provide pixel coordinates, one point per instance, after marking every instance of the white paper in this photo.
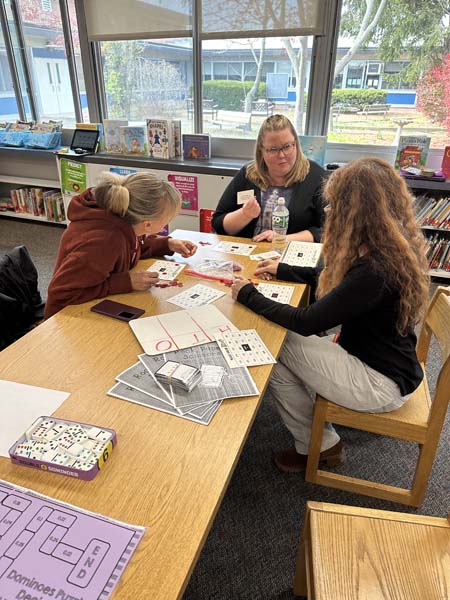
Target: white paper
(265, 255)
(234, 248)
(167, 270)
(180, 329)
(197, 295)
(278, 293)
(244, 196)
(244, 349)
(20, 406)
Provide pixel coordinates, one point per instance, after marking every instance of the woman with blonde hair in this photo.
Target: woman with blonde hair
(374, 284)
(111, 227)
(280, 169)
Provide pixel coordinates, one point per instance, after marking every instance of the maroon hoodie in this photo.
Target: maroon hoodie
(97, 251)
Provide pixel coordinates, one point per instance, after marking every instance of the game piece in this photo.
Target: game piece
(197, 295)
(59, 547)
(167, 270)
(244, 348)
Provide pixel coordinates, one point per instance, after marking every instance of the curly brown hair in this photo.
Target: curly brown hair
(257, 171)
(371, 212)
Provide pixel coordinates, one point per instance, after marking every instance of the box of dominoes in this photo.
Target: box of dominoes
(65, 447)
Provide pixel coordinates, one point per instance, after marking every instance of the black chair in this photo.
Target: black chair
(21, 305)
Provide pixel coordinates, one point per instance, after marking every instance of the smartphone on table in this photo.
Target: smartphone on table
(117, 310)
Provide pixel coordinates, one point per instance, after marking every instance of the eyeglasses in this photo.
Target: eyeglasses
(286, 149)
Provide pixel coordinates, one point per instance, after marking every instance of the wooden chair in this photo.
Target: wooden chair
(352, 553)
(419, 420)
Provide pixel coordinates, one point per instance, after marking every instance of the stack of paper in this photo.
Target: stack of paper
(181, 377)
(139, 383)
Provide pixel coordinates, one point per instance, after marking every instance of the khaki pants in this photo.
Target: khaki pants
(310, 365)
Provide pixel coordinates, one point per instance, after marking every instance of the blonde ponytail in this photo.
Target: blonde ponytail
(112, 194)
(137, 197)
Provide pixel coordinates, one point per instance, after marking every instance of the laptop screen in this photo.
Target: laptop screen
(86, 139)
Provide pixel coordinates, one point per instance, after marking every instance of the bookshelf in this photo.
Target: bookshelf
(22, 168)
(433, 212)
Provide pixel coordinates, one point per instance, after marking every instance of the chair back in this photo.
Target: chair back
(437, 323)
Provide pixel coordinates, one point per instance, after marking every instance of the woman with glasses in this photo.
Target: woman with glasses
(374, 285)
(280, 169)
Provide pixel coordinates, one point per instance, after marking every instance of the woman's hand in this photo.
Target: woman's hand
(264, 236)
(183, 247)
(237, 286)
(267, 269)
(251, 209)
(143, 280)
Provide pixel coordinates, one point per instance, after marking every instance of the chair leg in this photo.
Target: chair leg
(424, 465)
(315, 443)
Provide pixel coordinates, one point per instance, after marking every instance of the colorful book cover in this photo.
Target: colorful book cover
(160, 138)
(314, 147)
(412, 151)
(133, 140)
(445, 165)
(196, 146)
(111, 130)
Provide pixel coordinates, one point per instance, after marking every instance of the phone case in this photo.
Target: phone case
(117, 310)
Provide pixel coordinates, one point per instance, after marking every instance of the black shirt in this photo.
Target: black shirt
(366, 307)
(305, 207)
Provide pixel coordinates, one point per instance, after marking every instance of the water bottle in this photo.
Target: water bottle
(280, 221)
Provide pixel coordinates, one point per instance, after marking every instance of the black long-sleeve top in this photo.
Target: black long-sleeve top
(305, 207)
(364, 305)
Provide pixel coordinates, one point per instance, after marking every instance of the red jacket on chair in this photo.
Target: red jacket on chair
(95, 255)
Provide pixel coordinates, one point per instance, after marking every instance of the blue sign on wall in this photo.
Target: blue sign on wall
(277, 85)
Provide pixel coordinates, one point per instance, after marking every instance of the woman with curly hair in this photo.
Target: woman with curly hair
(280, 169)
(374, 284)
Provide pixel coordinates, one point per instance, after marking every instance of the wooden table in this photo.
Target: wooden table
(166, 473)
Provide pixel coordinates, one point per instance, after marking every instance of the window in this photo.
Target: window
(252, 78)
(47, 5)
(44, 41)
(377, 73)
(148, 78)
(8, 105)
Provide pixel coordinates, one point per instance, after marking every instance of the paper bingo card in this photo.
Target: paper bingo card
(166, 269)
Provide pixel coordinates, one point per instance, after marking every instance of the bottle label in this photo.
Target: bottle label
(280, 221)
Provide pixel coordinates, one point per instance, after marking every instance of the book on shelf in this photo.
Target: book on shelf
(133, 140)
(196, 146)
(111, 131)
(40, 203)
(412, 151)
(176, 128)
(433, 212)
(21, 126)
(445, 165)
(161, 138)
(313, 147)
(54, 206)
